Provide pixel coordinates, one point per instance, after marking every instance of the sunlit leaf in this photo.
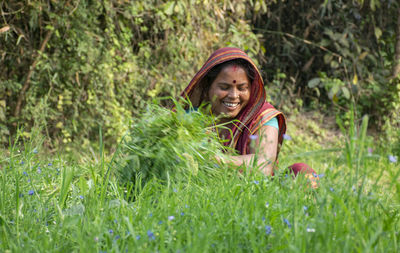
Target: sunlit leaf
(355, 79)
(378, 32)
(313, 82)
(169, 8)
(346, 92)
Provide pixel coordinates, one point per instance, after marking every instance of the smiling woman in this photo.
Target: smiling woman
(229, 93)
(232, 84)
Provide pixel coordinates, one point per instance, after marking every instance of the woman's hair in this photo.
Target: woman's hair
(209, 78)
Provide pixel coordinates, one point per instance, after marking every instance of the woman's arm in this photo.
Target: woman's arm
(266, 146)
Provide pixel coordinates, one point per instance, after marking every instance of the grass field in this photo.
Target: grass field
(49, 203)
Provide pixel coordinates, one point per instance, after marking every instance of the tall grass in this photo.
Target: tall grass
(50, 204)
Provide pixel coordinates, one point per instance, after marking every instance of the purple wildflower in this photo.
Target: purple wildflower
(287, 137)
(331, 189)
(26, 174)
(22, 163)
(305, 208)
(370, 150)
(35, 151)
(171, 217)
(392, 159)
(256, 182)
(137, 237)
(117, 237)
(150, 235)
(182, 213)
(50, 164)
(80, 196)
(160, 222)
(175, 190)
(31, 192)
(111, 231)
(321, 175)
(287, 223)
(267, 204)
(39, 170)
(253, 137)
(268, 230)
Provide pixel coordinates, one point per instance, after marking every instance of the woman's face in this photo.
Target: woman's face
(230, 91)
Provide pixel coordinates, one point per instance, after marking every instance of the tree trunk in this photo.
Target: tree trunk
(396, 64)
(26, 86)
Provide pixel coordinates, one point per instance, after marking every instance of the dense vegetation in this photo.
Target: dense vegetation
(80, 74)
(74, 65)
(48, 203)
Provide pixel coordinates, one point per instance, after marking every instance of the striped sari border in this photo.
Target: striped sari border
(263, 118)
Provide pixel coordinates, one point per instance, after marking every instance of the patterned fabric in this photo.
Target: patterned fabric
(256, 113)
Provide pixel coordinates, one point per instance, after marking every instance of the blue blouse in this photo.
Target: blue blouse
(272, 122)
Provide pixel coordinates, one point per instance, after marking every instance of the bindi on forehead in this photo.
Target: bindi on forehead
(234, 81)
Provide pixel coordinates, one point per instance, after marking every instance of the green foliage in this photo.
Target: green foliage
(333, 53)
(95, 63)
(392, 117)
(169, 146)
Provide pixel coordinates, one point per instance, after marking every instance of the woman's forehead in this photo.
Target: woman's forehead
(233, 71)
(233, 67)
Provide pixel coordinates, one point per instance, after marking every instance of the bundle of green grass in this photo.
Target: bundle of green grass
(168, 145)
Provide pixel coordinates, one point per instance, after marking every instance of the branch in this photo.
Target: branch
(304, 41)
(28, 77)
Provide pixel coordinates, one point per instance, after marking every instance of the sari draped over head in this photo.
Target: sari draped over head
(257, 111)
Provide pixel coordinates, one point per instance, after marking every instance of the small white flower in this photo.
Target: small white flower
(310, 230)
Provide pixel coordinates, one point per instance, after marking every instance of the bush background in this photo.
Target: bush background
(68, 67)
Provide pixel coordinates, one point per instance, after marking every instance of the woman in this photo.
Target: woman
(232, 84)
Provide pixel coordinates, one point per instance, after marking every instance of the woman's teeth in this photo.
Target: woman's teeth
(230, 104)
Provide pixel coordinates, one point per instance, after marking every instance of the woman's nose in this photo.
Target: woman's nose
(233, 93)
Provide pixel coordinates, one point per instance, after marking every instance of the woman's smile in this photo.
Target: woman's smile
(230, 91)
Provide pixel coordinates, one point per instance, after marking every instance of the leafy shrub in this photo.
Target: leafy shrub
(333, 53)
(90, 63)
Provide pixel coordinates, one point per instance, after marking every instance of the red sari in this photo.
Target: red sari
(256, 113)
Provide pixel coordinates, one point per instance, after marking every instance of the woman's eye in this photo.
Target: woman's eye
(224, 88)
(243, 88)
